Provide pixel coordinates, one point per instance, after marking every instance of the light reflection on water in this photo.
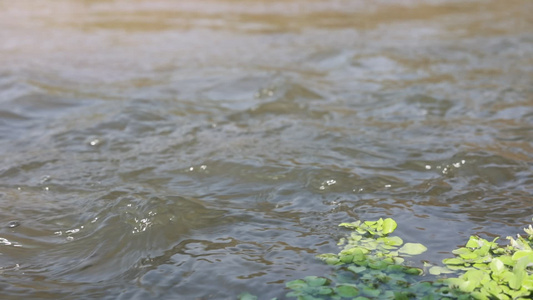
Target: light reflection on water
(200, 149)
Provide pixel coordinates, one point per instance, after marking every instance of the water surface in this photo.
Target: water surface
(199, 149)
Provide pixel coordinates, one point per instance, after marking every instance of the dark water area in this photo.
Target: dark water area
(199, 149)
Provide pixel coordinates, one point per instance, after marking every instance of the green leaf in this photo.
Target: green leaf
(469, 256)
(371, 292)
(392, 241)
(479, 296)
(475, 277)
(483, 250)
(507, 260)
(379, 224)
(346, 258)
(412, 249)
(521, 253)
(413, 271)
(296, 284)
(389, 225)
(435, 270)
(378, 265)
(515, 282)
(453, 261)
(347, 290)
(462, 250)
(497, 266)
(400, 296)
(352, 225)
(473, 242)
(247, 296)
(371, 224)
(356, 269)
(315, 280)
(324, 290)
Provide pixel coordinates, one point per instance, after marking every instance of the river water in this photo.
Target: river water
(200, 149)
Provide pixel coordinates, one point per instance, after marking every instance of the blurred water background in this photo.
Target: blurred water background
(198, 149)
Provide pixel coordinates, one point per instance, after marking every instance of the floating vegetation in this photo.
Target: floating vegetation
(372, 265)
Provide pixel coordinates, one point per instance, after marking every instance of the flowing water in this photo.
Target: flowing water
(200, 149)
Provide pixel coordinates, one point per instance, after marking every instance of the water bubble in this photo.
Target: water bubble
(95, 142)
(46, 188)
(4, 241)
(327, 183)
(45, 178)
(203, 167)
(265, 92)
(388, 185)
(142, 225)
(331, 182)
(13, 224)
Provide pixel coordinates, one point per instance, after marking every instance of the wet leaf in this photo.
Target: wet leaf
(350, 225)
(369, 291)
(324, 291)
(435, 270)
(378, 265)
(315, 280)
(473, 242)
(347, 290)
(479, 296)
(515, 281)
(401, 296)
(461, 251)
(412, 248)
(296, 284)
(521, 253)
(389, 225)
(453, 261)
(497, 266)
(346, 258)
(247, 296)
(413, 271)
(392, 241)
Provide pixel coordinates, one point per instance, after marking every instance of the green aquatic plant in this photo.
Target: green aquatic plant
(491, 271)
(373, 264)
(370, 265)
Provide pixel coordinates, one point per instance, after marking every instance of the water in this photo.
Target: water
(199, 149)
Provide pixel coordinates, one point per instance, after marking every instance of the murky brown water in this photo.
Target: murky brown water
(199, 149)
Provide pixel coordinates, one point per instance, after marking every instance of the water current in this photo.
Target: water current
(198, 149)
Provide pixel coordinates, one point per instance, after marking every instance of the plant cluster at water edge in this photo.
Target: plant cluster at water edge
(374, 264)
